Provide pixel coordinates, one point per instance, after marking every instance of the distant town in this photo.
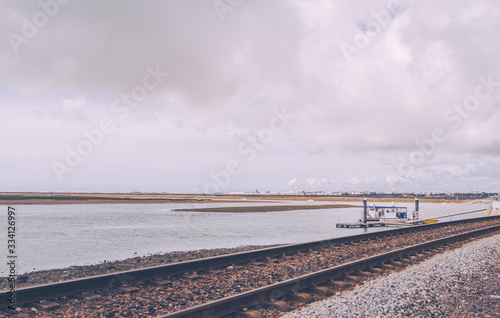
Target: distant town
(459, 195)
(470, 195)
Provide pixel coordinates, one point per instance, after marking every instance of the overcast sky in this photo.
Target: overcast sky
(228, 95)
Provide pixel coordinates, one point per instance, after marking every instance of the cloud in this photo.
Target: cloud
(227, 77)
(71, 109)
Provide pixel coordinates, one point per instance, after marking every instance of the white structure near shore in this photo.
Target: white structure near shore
(494, 209)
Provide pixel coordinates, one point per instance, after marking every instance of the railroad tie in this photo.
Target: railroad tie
(352, 278)
(376, 270)
(300, 297)
(397, 263)
(320, 290)
(364, 274)
(278, 305)
(386, 266)
(405, 260)
(249, 314)
(339, 284)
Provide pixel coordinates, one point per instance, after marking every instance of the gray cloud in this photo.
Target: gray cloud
(227, 77)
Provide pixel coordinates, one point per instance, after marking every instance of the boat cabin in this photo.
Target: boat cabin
(386, 213)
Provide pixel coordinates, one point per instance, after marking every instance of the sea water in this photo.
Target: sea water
(58, 236)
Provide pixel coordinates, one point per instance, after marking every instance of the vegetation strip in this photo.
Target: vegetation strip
(272, 208)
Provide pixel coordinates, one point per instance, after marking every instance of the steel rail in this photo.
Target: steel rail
(253, 298)
(35, 293)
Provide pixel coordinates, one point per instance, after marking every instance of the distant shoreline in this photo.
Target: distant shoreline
(7, 198)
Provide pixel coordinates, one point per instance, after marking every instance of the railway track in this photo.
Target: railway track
(224, 285)
(300, 289)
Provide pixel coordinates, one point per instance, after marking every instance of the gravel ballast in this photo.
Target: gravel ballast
(106, 267)
(150, 299)
(464, 282)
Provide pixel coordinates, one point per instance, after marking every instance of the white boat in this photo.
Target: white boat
(394, 214)
(385, 213)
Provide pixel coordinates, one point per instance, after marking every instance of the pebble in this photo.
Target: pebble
(463, 282)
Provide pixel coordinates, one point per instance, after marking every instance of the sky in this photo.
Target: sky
(204, 96)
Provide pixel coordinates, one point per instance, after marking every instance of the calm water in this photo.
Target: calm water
(57, 236)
